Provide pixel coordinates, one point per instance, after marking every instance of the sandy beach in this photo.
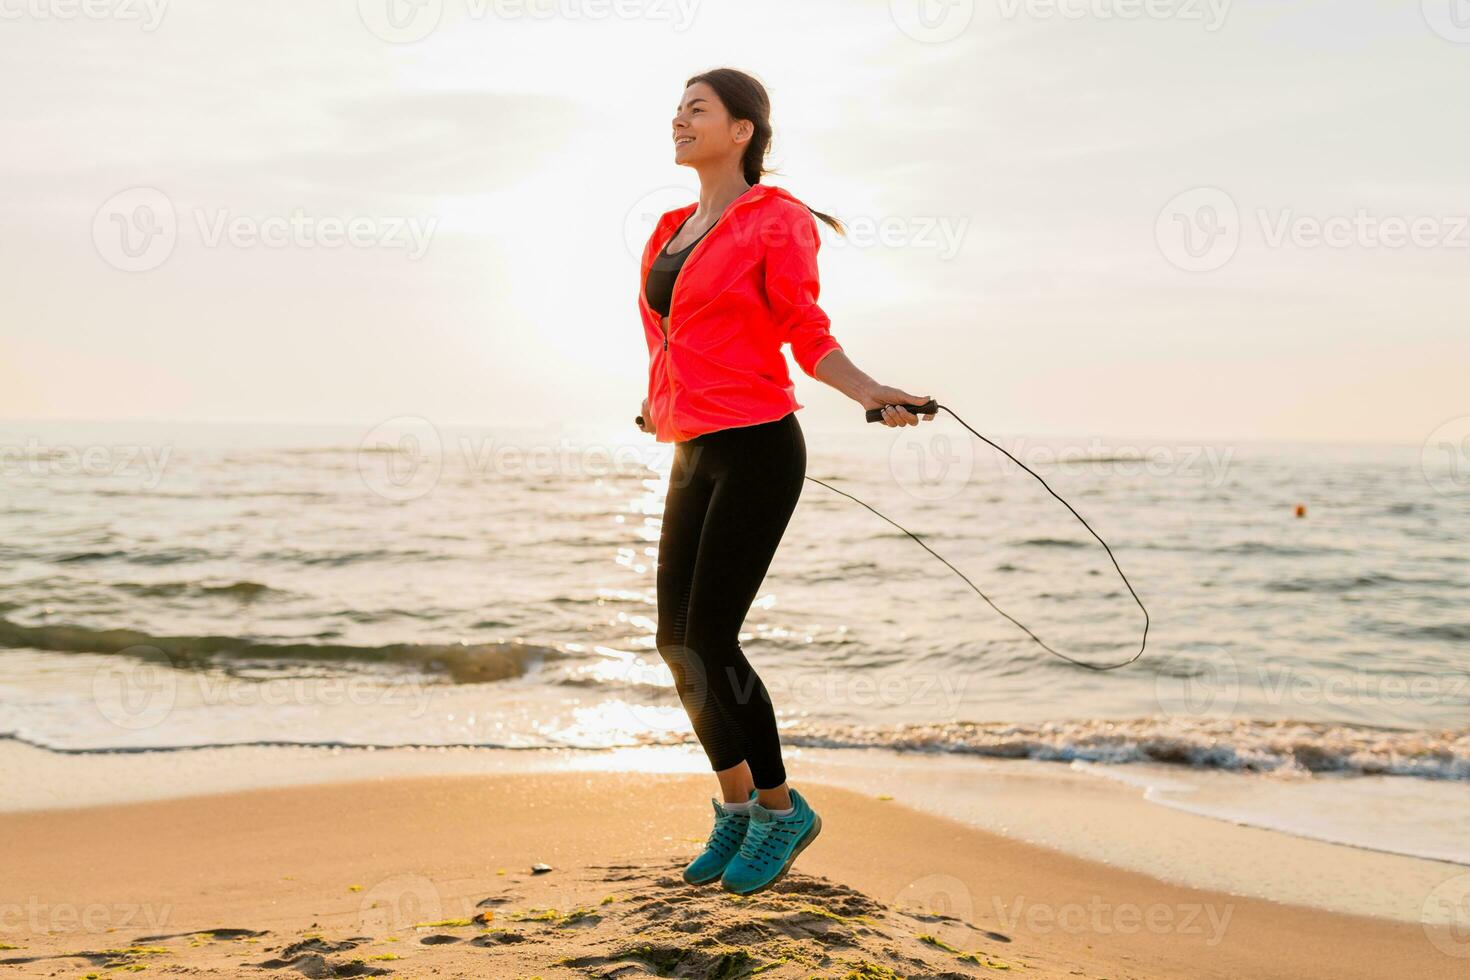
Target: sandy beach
(432, 876)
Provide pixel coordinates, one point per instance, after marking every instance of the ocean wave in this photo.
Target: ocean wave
(244, 591)
(1280, 748)
(464, 663)
(1286, 750)
(1266, 548)
(1439, 631)
(341, 558)
(1348, 583)
(170, 556)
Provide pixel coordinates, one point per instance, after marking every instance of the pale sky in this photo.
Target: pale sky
(1019, 160)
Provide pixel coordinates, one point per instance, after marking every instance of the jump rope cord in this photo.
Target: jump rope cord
(1071, 660)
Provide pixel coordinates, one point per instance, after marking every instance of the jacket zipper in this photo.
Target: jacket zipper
(668, 362)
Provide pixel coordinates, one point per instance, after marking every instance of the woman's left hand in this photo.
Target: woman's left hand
(892, 400)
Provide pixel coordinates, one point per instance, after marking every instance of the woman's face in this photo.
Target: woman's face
(703, 130)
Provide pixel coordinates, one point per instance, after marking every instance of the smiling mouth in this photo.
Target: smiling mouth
(682, 140)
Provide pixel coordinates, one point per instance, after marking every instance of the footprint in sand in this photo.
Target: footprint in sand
(316, 966)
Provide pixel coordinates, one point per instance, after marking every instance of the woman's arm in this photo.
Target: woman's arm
(792, 288)
(836, 369)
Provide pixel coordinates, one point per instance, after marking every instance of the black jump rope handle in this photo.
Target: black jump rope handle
(930, 407)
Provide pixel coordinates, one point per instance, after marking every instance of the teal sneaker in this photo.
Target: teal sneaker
(771, 844)
(723, 844)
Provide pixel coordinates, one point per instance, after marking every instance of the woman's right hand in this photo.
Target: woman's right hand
(647, 425)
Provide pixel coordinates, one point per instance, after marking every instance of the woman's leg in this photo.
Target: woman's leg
(691, 485)
(758, 473)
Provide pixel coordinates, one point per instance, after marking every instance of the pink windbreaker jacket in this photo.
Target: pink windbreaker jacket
(747, 287)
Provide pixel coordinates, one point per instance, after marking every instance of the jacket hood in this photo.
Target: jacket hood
(757, 192)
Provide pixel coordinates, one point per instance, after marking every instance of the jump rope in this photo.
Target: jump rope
(932, 407)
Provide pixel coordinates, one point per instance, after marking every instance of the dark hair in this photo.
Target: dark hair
(745, 98)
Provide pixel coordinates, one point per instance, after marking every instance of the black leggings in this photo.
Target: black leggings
(731, 494)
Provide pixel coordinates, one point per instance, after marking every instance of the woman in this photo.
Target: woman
(744, 261)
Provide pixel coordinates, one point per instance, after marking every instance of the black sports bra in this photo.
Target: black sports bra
(659, 289)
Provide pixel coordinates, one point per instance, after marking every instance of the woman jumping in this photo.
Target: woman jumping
(744, 260)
